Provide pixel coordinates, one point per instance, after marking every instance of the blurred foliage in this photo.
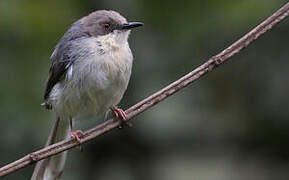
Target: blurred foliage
(232, 124)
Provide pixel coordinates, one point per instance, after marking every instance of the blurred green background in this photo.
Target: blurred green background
(231, 124)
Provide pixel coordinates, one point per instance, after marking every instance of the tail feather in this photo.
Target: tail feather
(52, 168)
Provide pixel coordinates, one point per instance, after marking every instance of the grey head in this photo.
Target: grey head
(104, 22)
(98, 23)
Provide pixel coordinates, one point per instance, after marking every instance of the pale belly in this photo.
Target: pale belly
(90, 91)
(88, 102)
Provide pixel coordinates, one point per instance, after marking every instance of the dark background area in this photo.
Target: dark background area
(231, 124)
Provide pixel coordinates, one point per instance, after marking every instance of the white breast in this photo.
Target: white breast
(96, 81)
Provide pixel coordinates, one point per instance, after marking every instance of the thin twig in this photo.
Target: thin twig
(172, 88)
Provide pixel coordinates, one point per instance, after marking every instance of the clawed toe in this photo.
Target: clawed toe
(120, 114)
(76, 135)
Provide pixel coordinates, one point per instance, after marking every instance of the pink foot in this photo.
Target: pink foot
(118, 113)
(76, 135)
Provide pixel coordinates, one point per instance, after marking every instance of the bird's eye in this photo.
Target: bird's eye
(107, 27)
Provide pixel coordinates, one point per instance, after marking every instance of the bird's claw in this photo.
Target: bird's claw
(120, 114)
(76, 135)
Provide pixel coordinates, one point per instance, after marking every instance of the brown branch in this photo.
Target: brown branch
(174, 87)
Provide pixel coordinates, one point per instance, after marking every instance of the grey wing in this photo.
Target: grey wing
(62, 57)
(61, 61)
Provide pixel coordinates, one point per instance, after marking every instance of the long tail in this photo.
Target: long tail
(52, 168)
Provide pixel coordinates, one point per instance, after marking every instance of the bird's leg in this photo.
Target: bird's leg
(75, 134)
(118, 113)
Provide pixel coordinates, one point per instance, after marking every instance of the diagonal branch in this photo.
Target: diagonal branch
(138, 108)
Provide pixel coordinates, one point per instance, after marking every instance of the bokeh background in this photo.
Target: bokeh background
(231, 124)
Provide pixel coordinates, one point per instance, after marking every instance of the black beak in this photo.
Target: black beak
(131, 25)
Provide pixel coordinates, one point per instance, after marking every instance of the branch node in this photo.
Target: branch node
(33, 157)
(218, 60)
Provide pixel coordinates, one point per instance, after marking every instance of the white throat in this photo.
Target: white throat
(114, 40)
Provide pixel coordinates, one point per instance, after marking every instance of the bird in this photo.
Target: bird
(89, 74)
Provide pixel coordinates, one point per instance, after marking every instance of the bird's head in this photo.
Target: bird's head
(108, 25)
